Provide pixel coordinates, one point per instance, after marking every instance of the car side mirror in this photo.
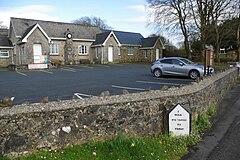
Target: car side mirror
(181, 64)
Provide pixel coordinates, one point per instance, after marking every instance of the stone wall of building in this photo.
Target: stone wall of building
(80, 58)
(150, 53)
(37, 37)
(5, 61)
(136, 55)
(116, 51)
(57, 58)
(28, 127)
(73, 55)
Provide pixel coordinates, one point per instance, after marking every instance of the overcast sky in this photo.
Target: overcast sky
(123, 15)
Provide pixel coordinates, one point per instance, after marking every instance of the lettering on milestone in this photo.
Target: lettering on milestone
(179, 121)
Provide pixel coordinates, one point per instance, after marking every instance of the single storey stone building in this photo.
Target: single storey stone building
(36, 42)
(118, 46)
(6, 48)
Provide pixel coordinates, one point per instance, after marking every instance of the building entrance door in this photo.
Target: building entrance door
(37, 53)
(157, 54)
(110, 54)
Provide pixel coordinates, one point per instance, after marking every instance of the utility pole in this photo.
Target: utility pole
(238, 36)
(205, 60)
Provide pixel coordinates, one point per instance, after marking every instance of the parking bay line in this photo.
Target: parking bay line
(86, 67)
(45, 71)
(178, 79)
(23, 74)
(129, 88)
(103, 65)
(68, 69)
(160, 83)
(79, 95)
(121, 65)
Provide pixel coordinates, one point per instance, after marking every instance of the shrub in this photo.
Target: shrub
(56, 62)
(212, 110)
(203, 119)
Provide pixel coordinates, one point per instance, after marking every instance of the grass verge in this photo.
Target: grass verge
(164, 146)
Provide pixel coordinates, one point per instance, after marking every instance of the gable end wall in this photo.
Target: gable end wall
(26, 50)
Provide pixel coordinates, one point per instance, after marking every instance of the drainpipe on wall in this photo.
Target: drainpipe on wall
(19, 55)
(12, 56)
(151, 54)
(22, 51)
(102, 55)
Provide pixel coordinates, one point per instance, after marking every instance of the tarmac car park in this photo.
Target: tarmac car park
(30, 86)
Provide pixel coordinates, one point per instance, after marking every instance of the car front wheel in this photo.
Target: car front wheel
(157, 73)
(193, 74)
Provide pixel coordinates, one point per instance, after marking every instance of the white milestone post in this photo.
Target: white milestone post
(179, 121)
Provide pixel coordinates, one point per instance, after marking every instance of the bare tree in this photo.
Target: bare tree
(187, 15)
(173, 15)
(166, 42)
(220, 11)
(207, 15)
(92, 21)
(201, 16)
(238, 38)
(2, 26)
(237, 11)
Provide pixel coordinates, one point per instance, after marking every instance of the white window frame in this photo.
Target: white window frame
(130, 51)
(82, 50)
(54, 49)
(4, 51)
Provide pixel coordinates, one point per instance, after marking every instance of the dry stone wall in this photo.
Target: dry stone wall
(25, 128)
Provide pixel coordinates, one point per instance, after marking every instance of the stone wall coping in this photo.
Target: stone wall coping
(115, 99)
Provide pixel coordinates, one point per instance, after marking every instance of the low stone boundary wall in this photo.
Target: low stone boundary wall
(25, 128)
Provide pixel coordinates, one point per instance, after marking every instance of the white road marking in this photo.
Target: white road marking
(87, 67)
(23, 74)
(45, 71)
(68, 69)
(160, 83)
(129, 88)
(117, 65)
(79, 95)
(85, 95)
(102, 65)
(179, 79)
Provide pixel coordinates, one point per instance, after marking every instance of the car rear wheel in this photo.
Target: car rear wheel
(193, 74)
(157, 73)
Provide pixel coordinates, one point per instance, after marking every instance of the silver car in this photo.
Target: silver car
(177, 66)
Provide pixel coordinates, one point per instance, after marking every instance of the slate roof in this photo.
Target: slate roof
(28, 30)
(4, 41)
(54, 29)
(124, 38)
(101, 37)
(149, 42)
(128, 38)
